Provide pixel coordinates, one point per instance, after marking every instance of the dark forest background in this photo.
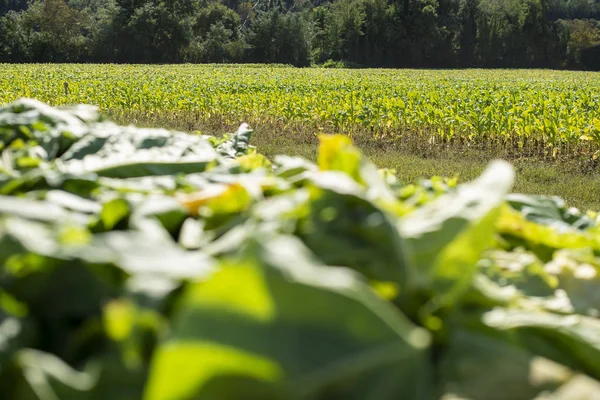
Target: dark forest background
(368, 33)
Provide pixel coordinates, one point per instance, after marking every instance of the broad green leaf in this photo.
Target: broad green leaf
(144, 254)
(572, 340)
(144, 185)
(543, 240)
(72, 202)
(477, 366)
(343, 228)
(288, 167)
(54, 129)
(244, 334)
(520, 269)
(192, 234)
(113, 212)
(251, 162)
(220, 205)
(552, 211)
(127, 153)
(167, 210)
(37, 210)
(446, 237)
(337, 153)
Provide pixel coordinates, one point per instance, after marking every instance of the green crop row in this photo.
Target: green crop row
(512, 107)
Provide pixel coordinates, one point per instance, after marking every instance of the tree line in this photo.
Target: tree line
(368, 33)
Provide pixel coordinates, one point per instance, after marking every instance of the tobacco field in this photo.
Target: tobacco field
(543, 111)
(160, 265)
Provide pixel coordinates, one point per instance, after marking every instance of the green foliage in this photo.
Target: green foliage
(215, 35)
(277, 38)
(369, 33)
(47, 31)
(584, 35)
(198, 269)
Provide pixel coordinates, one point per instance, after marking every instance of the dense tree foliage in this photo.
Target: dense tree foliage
(373, 33)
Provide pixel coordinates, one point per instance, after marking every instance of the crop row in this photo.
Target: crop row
(556, 108)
